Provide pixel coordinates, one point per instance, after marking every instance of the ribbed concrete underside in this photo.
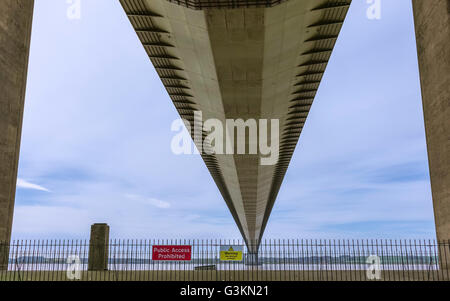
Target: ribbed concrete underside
(250, 63)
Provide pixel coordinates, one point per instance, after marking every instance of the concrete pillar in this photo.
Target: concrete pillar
(432, 24)
(4, 255)
(15, 33)
(98, 247)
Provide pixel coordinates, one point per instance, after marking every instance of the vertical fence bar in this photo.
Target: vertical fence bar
(297, 258)
(19, 259)
(432, 249)
(53, 260)
(147, 262)
(46, 260)
(291, 260)
(308, 261)
(24, 255)
(384, 261)
(413, 260)
(12, 260)
(408, 260)
(353, 262)
(443, 258)
(38, 266)
(13, 251)
(447, 258)
(393, 255)
(423, 259)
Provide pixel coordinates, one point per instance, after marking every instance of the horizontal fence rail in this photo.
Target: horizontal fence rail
(210, 260)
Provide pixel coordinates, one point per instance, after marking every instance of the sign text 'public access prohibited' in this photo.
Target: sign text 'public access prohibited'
(231, 253)
(171, 252)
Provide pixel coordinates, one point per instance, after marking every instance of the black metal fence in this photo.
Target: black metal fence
(299, 259)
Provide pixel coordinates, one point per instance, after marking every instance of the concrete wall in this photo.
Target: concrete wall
(432, 21)
(15, 32)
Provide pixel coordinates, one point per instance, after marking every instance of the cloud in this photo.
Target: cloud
(151, 201)
(157, 203)
(21, 183)
(69, 214)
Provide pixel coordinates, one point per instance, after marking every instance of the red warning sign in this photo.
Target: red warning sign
(171, 252)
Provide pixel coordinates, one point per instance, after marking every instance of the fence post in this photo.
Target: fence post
(98, 248)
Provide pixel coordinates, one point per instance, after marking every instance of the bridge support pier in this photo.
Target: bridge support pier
(432, 24)
(15, 34)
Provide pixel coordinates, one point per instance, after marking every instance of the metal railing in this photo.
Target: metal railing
(289, 259)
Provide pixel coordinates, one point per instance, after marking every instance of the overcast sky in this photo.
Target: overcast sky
(96, 139)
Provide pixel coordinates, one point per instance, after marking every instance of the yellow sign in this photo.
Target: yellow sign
(231, 253)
